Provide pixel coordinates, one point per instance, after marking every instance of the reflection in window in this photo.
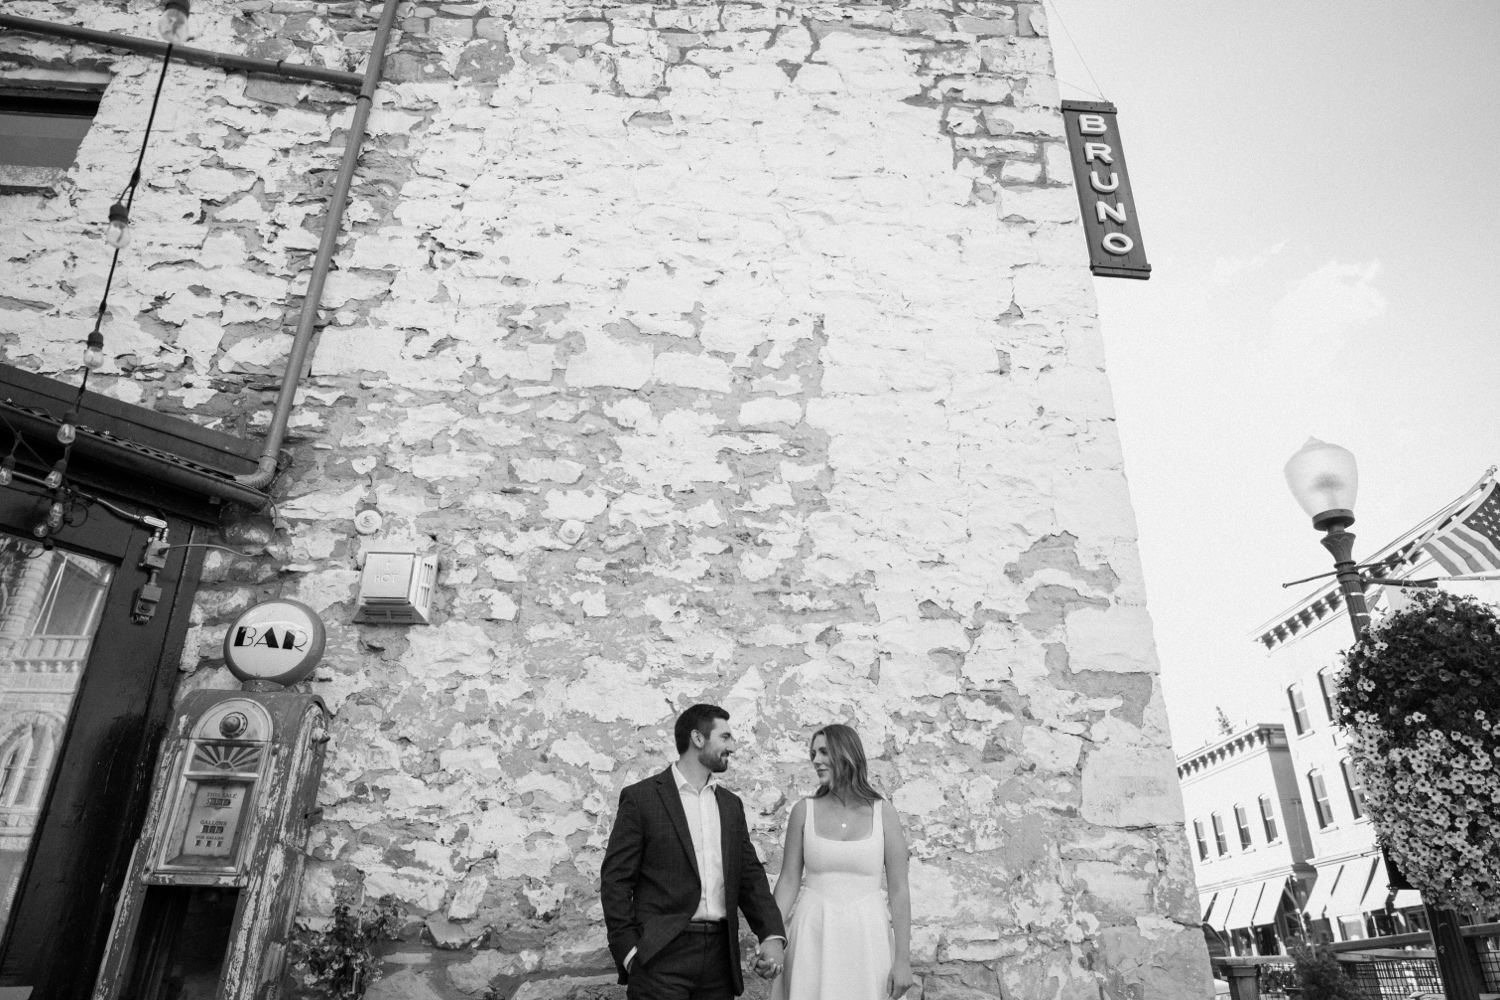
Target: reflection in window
(1220, 841)
(50, 606)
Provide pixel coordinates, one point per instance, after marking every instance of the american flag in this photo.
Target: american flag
(1470, 542)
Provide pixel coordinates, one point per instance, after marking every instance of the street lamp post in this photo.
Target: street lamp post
(1325, 480)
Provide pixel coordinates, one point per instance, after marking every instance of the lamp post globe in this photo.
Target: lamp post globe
(1324, 478)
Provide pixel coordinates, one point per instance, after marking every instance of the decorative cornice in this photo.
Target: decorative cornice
(1264, 734)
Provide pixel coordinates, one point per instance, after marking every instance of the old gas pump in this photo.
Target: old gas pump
(213, 885)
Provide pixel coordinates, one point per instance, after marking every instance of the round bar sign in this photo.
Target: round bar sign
(278, 641)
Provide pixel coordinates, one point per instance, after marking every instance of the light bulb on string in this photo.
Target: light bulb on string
(93, 351)
(41, 530)
(55, 515)
(67, 431)
(117, 233)
(55, 477)
(173, 23)
(7, 469)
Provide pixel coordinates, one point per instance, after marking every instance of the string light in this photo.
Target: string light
(93, 351)
(55, 477)
(67, 432)
(55, 515)
(117, 233)
(8, 468)
(173, 24)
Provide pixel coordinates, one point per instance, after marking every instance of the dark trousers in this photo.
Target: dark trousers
(693, 966)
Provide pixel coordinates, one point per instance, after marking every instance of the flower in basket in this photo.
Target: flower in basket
(1419, 698)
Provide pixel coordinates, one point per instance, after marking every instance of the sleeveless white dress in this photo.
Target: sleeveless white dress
(839, 939)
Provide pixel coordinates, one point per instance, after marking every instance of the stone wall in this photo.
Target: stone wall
(722, 352)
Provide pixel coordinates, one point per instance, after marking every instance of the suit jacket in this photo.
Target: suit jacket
(649, 881)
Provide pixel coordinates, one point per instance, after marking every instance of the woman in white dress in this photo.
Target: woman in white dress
(843, 942)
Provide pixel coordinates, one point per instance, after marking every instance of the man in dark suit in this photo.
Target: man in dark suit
(679, 870)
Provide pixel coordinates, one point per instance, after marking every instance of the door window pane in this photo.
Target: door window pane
(1202, 841)
(50, 602)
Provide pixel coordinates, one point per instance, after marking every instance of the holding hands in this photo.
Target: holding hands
(900, 979)
(769, 958)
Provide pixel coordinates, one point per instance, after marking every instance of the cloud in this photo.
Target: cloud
(1328, 301)
(1228, 267)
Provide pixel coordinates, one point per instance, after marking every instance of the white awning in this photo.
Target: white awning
(1219, 919)
(1245, 898)
(1407, 897)
(1271, 891)
(1350, 892)
(1206, 903)
(1378, 892)
(1322, 891)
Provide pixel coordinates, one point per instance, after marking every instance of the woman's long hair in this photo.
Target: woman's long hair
(850, 774)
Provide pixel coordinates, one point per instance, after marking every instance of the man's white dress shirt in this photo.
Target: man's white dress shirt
(702, 809)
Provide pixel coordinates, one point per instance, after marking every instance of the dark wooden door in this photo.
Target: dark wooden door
(89, 813)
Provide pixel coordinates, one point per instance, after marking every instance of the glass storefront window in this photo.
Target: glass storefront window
(50, 605)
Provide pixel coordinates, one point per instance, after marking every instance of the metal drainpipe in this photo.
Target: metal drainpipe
(354, 139)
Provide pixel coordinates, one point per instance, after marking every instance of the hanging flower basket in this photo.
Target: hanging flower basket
(1420, 700)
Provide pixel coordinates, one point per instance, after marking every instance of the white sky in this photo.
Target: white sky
(1319, 193)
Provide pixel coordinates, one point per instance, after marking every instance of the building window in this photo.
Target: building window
(1354, 787)
(1352, 928)
(1299, 709)
(1220, 841)
(1325, 686)
(1320, 798)
(1202, 840)
(41, 129)
(1268, 819)
(1242, 820)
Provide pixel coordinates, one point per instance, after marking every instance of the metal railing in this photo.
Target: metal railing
(1386, 968)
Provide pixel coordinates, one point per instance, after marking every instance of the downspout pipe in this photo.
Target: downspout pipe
(182, 53)
(354, 140)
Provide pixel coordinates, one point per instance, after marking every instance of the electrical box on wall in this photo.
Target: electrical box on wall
(396, 588)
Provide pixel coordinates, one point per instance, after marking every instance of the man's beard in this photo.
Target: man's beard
(717, 763)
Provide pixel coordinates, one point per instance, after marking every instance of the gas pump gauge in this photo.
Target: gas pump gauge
(227, 753)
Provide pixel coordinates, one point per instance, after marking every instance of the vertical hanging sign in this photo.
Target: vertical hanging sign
(1114, 235)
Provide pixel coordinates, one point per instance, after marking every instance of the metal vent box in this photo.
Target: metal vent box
(395, 588)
